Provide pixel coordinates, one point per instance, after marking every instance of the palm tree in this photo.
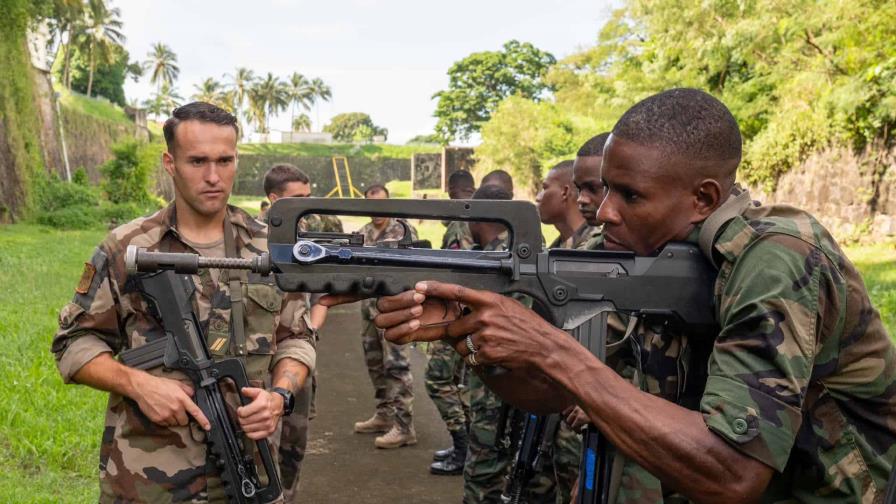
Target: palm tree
(321, 91)
(267, 97)
(102, 32)
(239, 88)
(301, 123)
(67, 24)
(300, 93)
(162, 64)
(164, 100)
(210, 91)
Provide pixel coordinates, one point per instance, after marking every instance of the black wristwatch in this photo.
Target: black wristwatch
(289, 400)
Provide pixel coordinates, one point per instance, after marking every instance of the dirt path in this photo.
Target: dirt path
(343, 467)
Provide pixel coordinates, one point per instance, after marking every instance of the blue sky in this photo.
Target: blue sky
(385, 58)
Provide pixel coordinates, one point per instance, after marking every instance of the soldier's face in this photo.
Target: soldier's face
(460, 192)
(296, 190)
(203, 166)
(551, 199)
(649, 198)
(378, 222)
(586, 176)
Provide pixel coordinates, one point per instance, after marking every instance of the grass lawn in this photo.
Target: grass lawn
(96, 107)
(50, 432)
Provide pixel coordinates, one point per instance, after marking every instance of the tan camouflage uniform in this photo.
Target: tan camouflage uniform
(294, 433)
(457, 236)
(578, 239)
(802, 376)
(141, 461)
(387, 363)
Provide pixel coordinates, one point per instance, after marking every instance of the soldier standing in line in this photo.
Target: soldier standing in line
(488, 460)
(387, 363)
(586, 177)
(288, 181)
(153, 448)
(558, 206)
(445, 371)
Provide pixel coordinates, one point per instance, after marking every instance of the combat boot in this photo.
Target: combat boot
(396, 438)
(444, 454)
(376, 423)
(454, 464)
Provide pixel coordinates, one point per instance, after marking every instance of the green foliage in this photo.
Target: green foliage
(92, 107)
(372, 151)
(17, 108)
(53, 194)
(127, 177)
(108, 79)
(525, 138)
(354, 126)
(430, 139)
(79, 177)
(798, 75)
(480, 81)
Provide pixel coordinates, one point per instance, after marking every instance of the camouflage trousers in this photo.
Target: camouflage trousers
(390, 371)
(294, 440)
(446, 383)
(559, 474)
(487, 465)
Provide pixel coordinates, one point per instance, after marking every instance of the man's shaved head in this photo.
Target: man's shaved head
(499, 178)
(562, 171)
(594, 146)
(689, 124)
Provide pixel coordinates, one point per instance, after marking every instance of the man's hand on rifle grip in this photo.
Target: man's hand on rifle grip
(259, 418)
(166, 401)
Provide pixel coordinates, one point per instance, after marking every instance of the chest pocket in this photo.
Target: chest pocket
(263, 303)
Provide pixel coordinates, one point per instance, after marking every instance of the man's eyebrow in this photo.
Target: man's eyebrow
(227, 158)
(197, 158)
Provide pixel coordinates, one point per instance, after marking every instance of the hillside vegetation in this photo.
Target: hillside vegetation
(329, 150)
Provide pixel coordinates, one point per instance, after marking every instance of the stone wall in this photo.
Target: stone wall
(852, 194)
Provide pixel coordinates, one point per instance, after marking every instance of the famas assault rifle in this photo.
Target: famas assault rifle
(572, 289)
(184, 349)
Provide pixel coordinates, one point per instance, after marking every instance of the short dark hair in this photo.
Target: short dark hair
(197, 111)
(565, 165)
(492, 192)
(376, 188)
(279, 175)
(499, 177)
(594, 146)
(685, 122)
(461, 178)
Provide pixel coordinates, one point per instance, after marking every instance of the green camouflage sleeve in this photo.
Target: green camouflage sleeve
(769, 302)
(89, 324)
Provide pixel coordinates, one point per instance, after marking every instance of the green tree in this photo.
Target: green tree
(101, 34)
(163, 101)
(354, 126)
(479, 82)
(431, 138)
(301, 94)
(301, 122)
(66, 22)
(239, 84)
(212, 91)
(161, 62)
(267, 97)
(322, 92)
(108, 77)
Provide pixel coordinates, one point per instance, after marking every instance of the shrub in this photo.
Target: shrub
(73, 217)
(53, 194)
(80, 177)
(127, 177)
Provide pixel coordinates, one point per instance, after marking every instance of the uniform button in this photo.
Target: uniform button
(739, 425)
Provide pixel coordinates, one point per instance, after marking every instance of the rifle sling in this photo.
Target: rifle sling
(237, 328)
(732, 207)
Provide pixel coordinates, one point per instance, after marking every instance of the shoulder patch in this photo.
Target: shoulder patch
(86, 278)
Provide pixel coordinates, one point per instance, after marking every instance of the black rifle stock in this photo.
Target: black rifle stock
(572, 289)
(184, 349)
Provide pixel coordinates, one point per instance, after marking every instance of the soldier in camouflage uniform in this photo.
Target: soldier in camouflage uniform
(446, 375)
(153, 446)
(388, 364)
(287, 181)
(793, 401)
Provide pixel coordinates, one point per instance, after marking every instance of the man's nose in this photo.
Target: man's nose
(607, 211)
(212, 175)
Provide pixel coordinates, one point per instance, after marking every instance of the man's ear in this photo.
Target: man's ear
(272, 197)
(707, 198)
(168, 162)
(566, 192)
